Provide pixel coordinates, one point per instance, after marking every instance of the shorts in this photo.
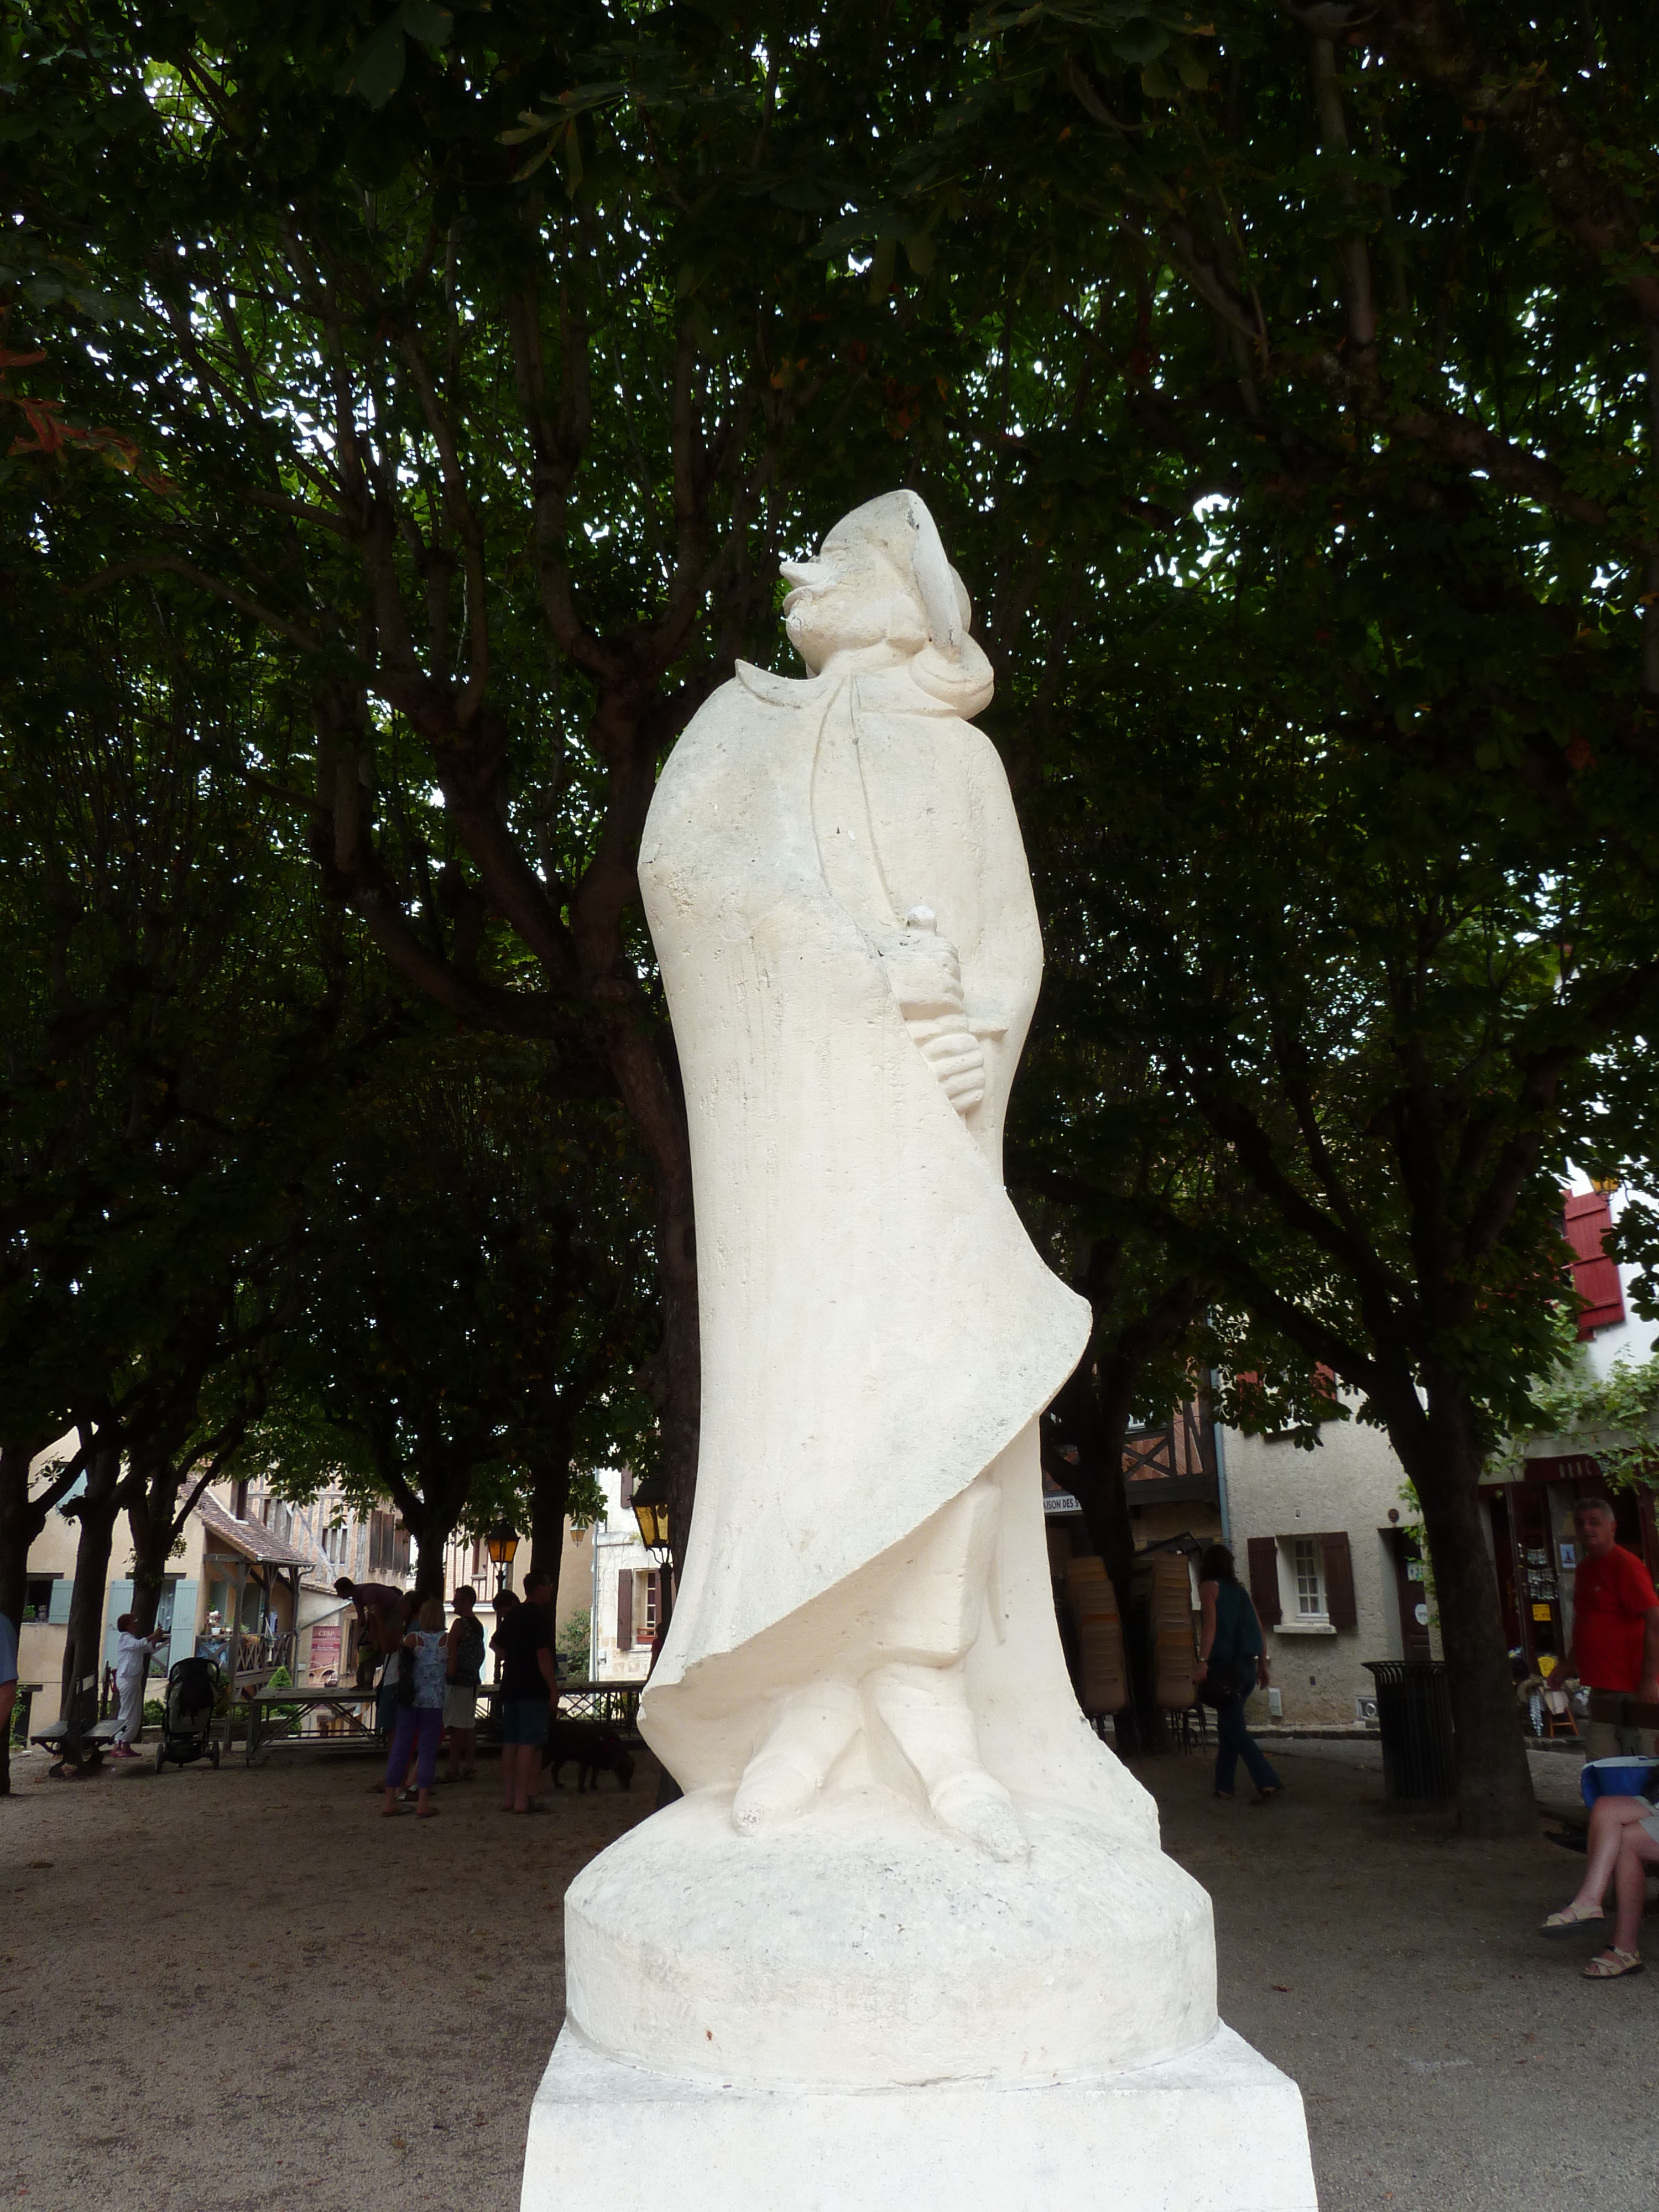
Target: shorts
(524, 1720)
(1607, 1740)
(460, 1706)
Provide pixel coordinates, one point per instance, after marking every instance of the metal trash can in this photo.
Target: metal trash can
(1414, 1718)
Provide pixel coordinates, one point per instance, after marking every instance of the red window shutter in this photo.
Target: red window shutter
(624, 1608)
(1595, 1277)
(1264, 1580)
(1340, 1609)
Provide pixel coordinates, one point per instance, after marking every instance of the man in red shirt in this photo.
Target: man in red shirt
(1615, 1627)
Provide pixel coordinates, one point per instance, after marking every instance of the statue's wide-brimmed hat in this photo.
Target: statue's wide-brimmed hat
(898, 527)
(897, 532)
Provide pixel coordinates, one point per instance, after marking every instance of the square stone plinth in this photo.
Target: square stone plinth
(1218, 2131)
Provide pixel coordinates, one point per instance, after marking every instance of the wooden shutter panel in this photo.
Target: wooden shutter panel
(624, 1608)
(120, 1602)
(626, 1490)
(58, 1601)
(1595, 1277)
(1340, 1609)
(182, 1642)
(1264, 1580)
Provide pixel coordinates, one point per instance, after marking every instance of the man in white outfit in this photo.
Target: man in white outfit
(132, 1658)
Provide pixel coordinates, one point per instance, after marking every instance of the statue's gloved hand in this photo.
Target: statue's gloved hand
(926, 976)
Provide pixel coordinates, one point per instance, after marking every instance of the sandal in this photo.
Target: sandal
(1571, 1919)
(1612, 1964)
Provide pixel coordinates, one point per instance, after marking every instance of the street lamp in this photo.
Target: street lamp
(650, 1503)
(503, 1541)
(651, 1511)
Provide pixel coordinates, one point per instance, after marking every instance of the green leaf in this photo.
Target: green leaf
(1157, 83)
(534, 125)
(379, 69)
(1141, 42)
(425, 20)
(535, 161)
(802, 194)
(572, 145)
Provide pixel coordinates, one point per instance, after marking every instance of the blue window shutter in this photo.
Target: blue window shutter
(58, 1608)
(120, 1602)
(183, 1641)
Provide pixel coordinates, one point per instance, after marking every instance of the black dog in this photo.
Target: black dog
(593, 1747)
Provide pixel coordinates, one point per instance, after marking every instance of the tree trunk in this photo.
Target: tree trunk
(1440, 1451)
(431, 1514)
(1094, 1421)
(1094, 1411)
(20, 1522)
(680, 1405)
(431, 1542)
(657, 1110)
(150, 1508)
(96, 1509)
(1141, 1728)
(550, 1501)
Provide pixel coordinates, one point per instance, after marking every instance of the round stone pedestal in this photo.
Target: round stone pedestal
(864, 1945)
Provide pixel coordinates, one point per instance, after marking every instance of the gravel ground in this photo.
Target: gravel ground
(1448, 2057)
(226, 1992)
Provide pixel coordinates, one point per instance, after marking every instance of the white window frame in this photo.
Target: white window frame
(1308, 1579)
(1292, 1621)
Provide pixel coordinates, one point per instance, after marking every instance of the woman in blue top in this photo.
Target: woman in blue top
(421, 1724)
(1232, 1661)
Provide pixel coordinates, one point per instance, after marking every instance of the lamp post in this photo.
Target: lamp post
(651, 1510)
(503, 1541)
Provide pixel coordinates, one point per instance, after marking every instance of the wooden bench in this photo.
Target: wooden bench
(95, 1742)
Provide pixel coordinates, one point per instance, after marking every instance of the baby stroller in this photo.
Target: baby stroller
(188, 1714)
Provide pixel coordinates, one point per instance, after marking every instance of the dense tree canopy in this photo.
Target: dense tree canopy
(1284, 384)
(475, 1304)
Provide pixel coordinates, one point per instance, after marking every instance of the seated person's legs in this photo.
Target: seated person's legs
(1610, 1817)
(1639, 1850)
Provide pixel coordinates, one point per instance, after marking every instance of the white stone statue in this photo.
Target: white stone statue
(903, 1858)
(840, 905)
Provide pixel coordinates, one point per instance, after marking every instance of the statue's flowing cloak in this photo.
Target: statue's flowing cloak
(878, 1331)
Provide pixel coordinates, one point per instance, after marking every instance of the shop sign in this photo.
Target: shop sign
(1573, 1467)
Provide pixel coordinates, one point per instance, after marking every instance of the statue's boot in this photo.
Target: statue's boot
(926, 1710)
(814, 1727)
